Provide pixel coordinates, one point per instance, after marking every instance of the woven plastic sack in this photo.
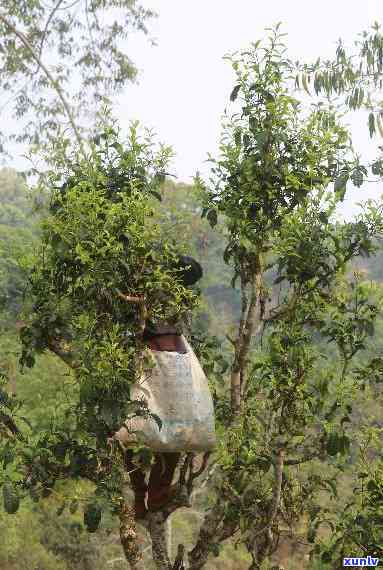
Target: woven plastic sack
(177, 390)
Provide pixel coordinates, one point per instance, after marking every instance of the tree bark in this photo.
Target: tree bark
(200, 553)
(129, 536)
(245, 334)
(260, 549)
(157, 533)
(128, 530)
(64, 353)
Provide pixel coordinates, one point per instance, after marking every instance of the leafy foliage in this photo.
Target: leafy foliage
(354, 77)
(358, 527)
(17, 236)
(59, 63)
(273, 157)
(293, 387)
(103, 269)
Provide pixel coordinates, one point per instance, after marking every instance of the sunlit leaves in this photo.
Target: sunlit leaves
(355, 75)
(100, 247)
(272, 156)
(340, 184)
(278, 179)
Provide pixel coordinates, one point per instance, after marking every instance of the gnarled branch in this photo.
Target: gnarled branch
(66, 356)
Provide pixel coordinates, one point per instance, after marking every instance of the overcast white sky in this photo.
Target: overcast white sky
(184, 83)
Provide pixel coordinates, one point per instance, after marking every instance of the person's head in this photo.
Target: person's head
(189, 270)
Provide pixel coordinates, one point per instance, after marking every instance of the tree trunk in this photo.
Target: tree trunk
(128, 535)
(200, 553)
(236, 391)
(157, 530)
(128, 530)
(245, 333)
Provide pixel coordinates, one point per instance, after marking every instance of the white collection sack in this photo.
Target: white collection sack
(177, 390)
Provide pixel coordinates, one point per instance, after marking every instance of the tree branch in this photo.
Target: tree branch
(278, 470)
(53, 81)
(194, 474)
(143, 310)
(130, 298)
(128, 535)
(128, 531)
(199, 555)
(303, 459)
(245, 334)
(156, 529)
(66, 356)
(50, 17)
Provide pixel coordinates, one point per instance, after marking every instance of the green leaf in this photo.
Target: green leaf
(311, 534)
(158, 420)
(156, 195)
(234, 93)
(92, 516)
(212, 217)
(333, 445)
(371, 124)
(332, 484)
(238, 137)
(340, 185)
(11, 500)
(118, 147)
(214, 549)
(61, 509)
(357, 177)
(326, 557)
(7, 455)
(73, 506)
(59, 451)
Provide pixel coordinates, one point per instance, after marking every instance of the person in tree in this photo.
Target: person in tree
(164, 337)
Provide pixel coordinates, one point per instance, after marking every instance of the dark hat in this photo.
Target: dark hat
(190, 270)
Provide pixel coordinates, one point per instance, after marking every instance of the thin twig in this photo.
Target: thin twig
(54, 10)
(183, 470)
(131, 298)
(53, 81)
(278, 469)
(194, 474)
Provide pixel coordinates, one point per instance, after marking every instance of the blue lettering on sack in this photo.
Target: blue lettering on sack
(358, 562)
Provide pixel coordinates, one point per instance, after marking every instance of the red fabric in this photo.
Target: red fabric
(159, 484)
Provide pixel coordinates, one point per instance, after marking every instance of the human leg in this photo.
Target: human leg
(160, 480)
(140, 488)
